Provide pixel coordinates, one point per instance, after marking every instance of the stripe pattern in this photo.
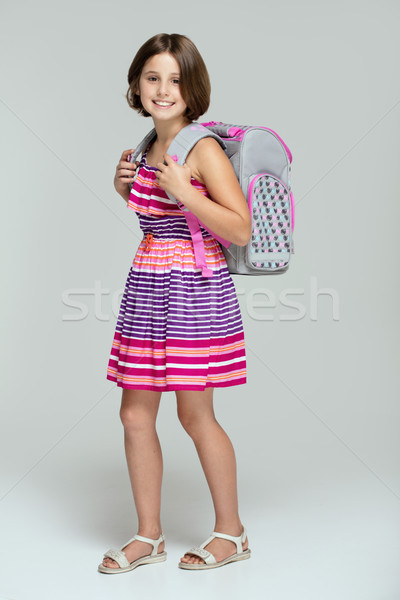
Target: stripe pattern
(176, 330)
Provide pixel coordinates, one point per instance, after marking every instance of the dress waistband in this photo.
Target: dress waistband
(150, 235)
(185, 227)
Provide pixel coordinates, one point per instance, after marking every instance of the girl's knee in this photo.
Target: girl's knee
(139, 411)
(186, 421)
(195, 409)
(195, 421)
(136, 419)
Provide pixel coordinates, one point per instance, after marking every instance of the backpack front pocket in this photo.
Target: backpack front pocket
(271, 210)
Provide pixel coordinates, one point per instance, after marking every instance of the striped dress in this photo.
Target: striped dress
(176, 329)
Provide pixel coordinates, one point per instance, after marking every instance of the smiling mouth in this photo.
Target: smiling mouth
(162, 103)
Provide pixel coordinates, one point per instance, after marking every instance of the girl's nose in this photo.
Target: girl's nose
(163, 89)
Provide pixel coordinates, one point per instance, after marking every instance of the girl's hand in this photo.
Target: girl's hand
(124, 174)
(174, 178)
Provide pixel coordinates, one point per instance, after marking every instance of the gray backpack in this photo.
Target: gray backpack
(262, 163)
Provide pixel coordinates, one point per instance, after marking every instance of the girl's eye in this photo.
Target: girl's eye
(154, 78)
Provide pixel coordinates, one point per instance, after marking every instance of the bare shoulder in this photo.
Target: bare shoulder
(207, 149)
(207, 154)
(211, 166)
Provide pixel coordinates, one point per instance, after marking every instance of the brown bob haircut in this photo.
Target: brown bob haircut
(194, 82)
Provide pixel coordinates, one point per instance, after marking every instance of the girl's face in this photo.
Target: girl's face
(159, 88)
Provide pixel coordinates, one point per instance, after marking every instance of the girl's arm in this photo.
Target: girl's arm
(227, 214)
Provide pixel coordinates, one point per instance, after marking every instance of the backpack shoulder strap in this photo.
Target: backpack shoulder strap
(187, 138)
(142, 145)
(181, 145)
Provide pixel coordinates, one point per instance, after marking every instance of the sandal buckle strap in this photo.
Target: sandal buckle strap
(118, 556)
(204, 554)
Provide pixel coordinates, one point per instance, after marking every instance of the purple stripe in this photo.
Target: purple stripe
(188, 320)
(153, 330)
(168, 227)
(183, 278)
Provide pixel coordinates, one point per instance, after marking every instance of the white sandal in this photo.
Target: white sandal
(124, 565)
(210, 561)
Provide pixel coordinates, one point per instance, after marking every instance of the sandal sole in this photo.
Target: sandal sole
(203, 566)
(143, 560)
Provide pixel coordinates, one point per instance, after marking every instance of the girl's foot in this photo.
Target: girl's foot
(219, 547)
(136, 549)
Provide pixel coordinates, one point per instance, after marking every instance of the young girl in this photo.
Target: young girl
(178, 330)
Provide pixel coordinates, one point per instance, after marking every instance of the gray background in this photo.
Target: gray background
(315, 429)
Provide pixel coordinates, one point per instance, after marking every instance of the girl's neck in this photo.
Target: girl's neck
(167, 131)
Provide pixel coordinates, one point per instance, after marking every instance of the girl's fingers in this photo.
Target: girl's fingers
(125, 170)
(126, 164)
(126, 167)
(126, 153)
(127, 173)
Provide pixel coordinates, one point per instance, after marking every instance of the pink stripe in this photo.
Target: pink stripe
(184, 386)
(145, 361)
(135, 364)
(175, 373)
(183, 343)
(292, 206)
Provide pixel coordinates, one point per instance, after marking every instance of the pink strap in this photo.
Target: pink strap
(198, 244)
(292, 206)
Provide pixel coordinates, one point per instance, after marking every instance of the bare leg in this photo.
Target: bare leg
(217, 457)
(138, 414)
